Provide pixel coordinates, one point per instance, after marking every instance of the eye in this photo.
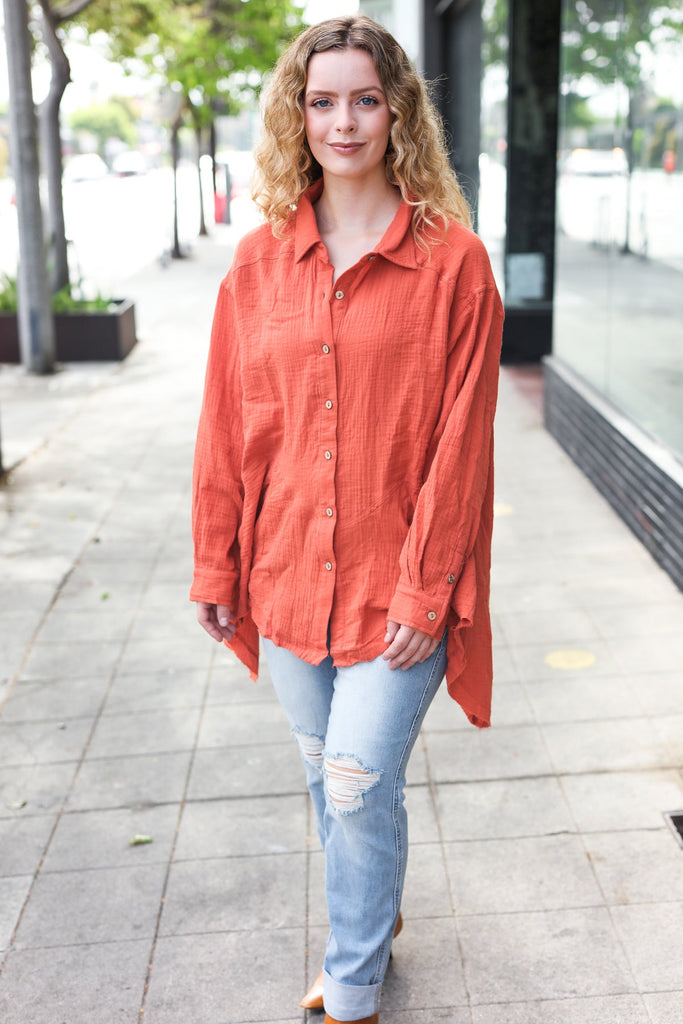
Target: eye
(321, 103)
(368, 101)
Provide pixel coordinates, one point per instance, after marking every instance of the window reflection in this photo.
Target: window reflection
(619, 270)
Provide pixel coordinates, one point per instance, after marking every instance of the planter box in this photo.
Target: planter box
(84, 337)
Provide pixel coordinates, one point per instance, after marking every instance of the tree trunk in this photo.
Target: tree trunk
(176, 252)
(630, 161)
(51, 150)
(36, 330)
(202, 216)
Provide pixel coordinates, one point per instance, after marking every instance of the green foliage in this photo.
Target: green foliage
(8, 294)
(111, 120)
(208, 51)
(63, 301)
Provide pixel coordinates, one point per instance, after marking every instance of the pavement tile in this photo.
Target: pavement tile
(426, 892)
(156, 691)
(75, 907)
(101, 624)
(669, 731)
(26, 743)
(71, 660)
(227, 977)
(149, 732)
(664, 1007)
(449, 1014)
(230, 684)
(220, 772)
(422, 818)
(648, 653)
(530, 660)
(661, 693)
(613, 745)
(637, 867)
(55, 699)
(23, 841)
(622, 800)
(652, 935)
(130, 781)
(583, 700)
(190, 651)
(546, 955)
(34, 789)
(224, 725)
(639, 619)
(570, 626)
(249, 894)
(100, 983)
(499, 876)
(13, 893)
(101, 839)
(240, 828)
(509, 707)
(496, 810)
(481, 754)
(420, 973)
(605, 1010)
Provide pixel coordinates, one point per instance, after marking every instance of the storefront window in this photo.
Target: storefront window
(619, 257)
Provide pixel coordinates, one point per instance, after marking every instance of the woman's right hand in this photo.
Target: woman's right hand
(217, 620)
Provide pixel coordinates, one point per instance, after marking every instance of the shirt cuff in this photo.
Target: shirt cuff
(215, 586)
(419, 610)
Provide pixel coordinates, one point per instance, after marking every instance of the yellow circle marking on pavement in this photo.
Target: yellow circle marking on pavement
(501, 509)
(570, 659)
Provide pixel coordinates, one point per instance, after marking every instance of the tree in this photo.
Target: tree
(211, 53)
(54, 15)
(36, 331)
(112, 120)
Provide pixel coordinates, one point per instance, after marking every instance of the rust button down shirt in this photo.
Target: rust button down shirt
(343, 469)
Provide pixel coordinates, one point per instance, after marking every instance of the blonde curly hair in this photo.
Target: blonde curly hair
(417, 157)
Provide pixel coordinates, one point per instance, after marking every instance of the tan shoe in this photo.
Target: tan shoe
(313, 1000)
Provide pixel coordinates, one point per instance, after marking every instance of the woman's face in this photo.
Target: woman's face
(346, 117)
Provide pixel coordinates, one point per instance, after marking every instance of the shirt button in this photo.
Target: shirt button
(451, 578)
(339, 295)
(329, 512)
(370, 258)
(431, 616)
(328, 455)
(328, 566)
(328, 404)
(326, 349)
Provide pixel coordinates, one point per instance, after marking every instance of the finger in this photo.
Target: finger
(404, 647)
(392, 630)
(225, 619)
(424, 651)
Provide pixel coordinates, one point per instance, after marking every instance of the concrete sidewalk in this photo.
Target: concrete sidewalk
(545, 883)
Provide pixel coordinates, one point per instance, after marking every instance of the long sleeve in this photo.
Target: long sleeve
(435, 559)
(218, 495)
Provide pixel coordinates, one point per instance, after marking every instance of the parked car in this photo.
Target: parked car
(85, 167)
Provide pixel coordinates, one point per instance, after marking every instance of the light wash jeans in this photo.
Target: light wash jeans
(356, 728)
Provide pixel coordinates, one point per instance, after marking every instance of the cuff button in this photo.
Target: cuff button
(431, 616)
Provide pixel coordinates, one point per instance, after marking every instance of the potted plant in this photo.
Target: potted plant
(86, 330)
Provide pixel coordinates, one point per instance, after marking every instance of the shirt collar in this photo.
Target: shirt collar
(397, 243)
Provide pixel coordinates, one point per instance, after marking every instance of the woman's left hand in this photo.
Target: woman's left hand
(407, 646)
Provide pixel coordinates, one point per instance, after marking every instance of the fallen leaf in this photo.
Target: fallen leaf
(140, 840)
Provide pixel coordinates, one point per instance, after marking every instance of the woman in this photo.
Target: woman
(343, 474)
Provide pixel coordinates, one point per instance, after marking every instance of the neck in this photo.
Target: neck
(356, 208)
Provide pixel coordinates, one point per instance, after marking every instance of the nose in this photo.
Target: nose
(346, 122)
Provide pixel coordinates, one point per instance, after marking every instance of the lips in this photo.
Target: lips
(346, 148)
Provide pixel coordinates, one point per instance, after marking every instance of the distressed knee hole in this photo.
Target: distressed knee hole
(311, 748)
(348, 782)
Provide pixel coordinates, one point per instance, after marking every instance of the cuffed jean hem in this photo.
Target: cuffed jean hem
(350, 1002)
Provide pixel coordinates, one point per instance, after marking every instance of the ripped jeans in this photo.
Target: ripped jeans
(356, 728)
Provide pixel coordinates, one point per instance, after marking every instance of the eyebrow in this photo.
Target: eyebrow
(354, 92)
